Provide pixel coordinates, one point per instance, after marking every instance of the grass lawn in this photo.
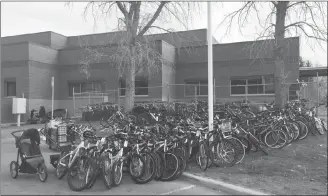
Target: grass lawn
(298, 169)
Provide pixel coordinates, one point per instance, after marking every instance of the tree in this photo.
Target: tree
(285, 17)
(301, 62)
(308, 64)
(134, 53)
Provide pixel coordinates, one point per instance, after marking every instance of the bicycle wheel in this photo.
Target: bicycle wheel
(245, 142)
(136, 165)
(203, 156)
(275, 139)
(295, 129)
(83, 168)
(61, 170)
(239, 149)
(182, 166)
(324, 125)
(107, 172)
(117, 172)
(312, 127)
(42, 172)
(150, 169)
(257, 144)
(303, 129)
(224, 153)
(14, 169)
(318, 126)
(159, 166)
(170, 166)
(287, 132)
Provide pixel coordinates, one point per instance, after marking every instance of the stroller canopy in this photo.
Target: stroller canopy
(32, 134)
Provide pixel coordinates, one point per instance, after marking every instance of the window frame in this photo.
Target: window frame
(85, 82)
(200, 83)
(137, 78)
(9, 81)
(247, 85)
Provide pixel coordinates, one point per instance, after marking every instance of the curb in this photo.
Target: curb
(223, 186)
(5, 125)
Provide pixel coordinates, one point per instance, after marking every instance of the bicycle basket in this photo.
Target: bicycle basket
(225, 126)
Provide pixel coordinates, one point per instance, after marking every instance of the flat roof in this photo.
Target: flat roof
(312, 71)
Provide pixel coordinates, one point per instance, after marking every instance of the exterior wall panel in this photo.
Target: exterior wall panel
(42, 38)
(42, 54)
(15, 52)
(51, 54)
(19, 72)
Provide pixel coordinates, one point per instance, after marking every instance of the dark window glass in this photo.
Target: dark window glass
(238, 82)
(10, 88)
(141, 86)
(238, 90)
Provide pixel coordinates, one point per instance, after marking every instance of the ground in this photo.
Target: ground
(30, 184)
(300, 168)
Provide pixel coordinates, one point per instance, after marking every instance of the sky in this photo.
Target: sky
(69, 20)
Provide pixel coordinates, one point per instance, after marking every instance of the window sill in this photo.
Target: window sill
(197, 95)
(136, 96)
(252, 95)
(10, 97)
(87, 97)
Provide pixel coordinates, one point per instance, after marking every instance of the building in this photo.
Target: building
(29, 61)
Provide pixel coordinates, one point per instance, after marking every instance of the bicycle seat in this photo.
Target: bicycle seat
(179, 137)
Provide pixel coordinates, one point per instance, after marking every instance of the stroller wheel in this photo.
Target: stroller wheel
(42, 172)
(14, 169)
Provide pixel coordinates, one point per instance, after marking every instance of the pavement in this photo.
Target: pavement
(30, 184)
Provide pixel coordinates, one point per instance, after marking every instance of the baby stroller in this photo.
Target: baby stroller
(32, 161)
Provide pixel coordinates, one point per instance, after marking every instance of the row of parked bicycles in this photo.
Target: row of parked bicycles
(157, 141)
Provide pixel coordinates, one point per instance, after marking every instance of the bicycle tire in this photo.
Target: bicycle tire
(174, 158)
(303, 131)
(240, 150)
(218, 158)
(70, 170)
(203, 151)
(275, 146)
(143, 180)
(246, 143)
(140, 161)
(59, 175)
(117, 171)
(107, 172)
(257, 144)
(318, 127)
(182, 166)
(159, 165)
(295, 128)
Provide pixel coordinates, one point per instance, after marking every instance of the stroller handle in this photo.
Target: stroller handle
(15, 136)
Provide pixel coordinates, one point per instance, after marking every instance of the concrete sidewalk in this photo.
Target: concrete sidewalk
(220, 185)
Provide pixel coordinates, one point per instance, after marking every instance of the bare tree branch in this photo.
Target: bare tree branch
(122, 8)
(156, 14)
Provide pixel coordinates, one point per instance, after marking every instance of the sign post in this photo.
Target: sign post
(19, 107)
(52, 99)
(210, 67)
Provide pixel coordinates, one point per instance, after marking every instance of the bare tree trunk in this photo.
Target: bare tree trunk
(130, 85)
(279, 78)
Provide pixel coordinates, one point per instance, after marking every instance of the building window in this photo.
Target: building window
(83, 87)
(199, 88)
(141, 86)
(255, 85)
(10, 88)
